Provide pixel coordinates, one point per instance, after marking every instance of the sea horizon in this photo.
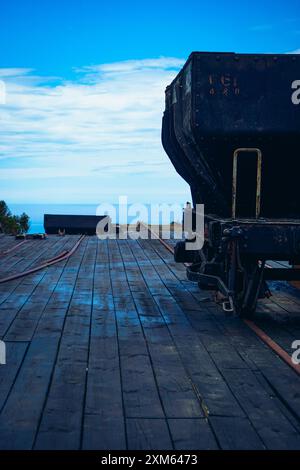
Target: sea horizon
(36, 212)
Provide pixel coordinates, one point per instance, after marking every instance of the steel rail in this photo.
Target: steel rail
(258, 331)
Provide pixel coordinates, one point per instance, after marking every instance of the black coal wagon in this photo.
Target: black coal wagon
(231, 128)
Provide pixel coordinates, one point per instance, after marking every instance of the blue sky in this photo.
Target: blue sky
(85, 89)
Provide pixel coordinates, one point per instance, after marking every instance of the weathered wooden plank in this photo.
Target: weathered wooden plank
(21, 414)
(7, 242)
(148, 434)
(282, 404)
(285, 384)
(226, 365)
(279, 334)
(28, 300)
(28, 255)
(176, 391)
(150, 275)
(216, 343)
(192, 434)
(175, 388)
(267, 419)
(104, 425)
(236, 433)
(178, 269)
(61, 421)
(138, 345)
(248, 345)
(173, 273)
(202, 372)
(103, 433)
(14, 356)
(216, 394)
(11, 259)
(14, 294)
(25, 322)
(140, 394)
(141, 398)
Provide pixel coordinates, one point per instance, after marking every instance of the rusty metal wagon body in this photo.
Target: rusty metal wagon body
(231, 128)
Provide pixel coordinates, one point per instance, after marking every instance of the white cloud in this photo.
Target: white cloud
(131, 66)
(13, 72)
(87, 128)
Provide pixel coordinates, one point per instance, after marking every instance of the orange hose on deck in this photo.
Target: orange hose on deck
(274, 346)
(260, 333)
(56, 259)
(5, 252)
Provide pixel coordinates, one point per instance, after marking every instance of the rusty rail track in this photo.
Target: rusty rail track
(275, 347)
(13, 248)
(64, 255)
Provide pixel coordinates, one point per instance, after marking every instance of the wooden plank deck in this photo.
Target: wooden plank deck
(115, 349)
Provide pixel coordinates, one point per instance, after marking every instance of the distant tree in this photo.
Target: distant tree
(4, 211)
(12, 224)
(24, 223)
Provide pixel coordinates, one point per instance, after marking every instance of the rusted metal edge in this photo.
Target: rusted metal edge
(273, 345)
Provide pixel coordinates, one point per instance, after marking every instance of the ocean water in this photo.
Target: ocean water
(36, 213)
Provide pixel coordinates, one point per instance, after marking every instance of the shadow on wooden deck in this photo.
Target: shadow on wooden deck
(115, 349)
